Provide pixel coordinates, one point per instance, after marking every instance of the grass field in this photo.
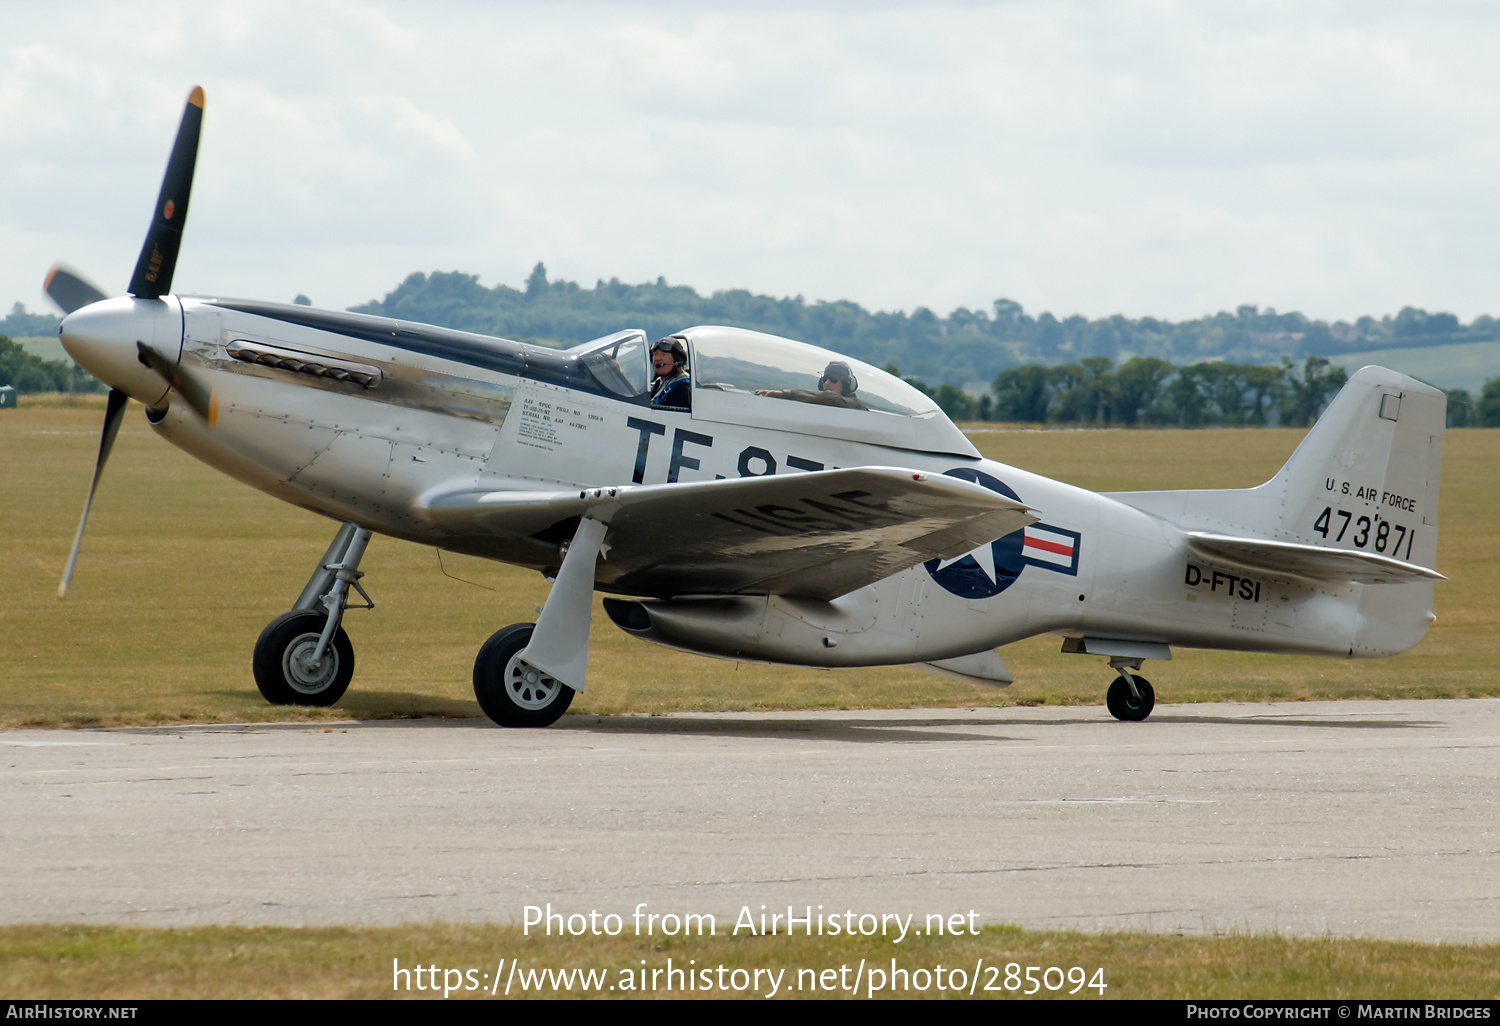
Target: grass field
(182, 567)
(216, 962)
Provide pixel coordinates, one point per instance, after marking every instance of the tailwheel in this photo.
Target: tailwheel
(1126, 703)
(510, 690)
(288, 669)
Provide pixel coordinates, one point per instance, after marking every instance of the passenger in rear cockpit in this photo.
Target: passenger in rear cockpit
(835, 388)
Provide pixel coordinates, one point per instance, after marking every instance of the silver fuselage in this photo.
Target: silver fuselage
(366, 419)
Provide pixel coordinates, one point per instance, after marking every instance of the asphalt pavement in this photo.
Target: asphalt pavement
(1343, 818)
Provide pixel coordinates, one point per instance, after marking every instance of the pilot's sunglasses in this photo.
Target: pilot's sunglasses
(665, 347)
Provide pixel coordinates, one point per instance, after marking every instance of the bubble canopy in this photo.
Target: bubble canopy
(729, 365)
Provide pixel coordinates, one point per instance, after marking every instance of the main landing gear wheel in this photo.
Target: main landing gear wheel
(1125, 706)
(283, 661)
(512, 692)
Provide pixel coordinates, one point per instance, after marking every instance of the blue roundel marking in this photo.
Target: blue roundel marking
(965, 577)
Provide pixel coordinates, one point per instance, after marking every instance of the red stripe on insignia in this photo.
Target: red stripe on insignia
(1046, 546)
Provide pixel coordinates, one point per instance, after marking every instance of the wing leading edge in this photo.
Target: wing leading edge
(815, 535)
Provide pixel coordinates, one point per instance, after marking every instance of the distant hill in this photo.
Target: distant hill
(1465, 365)
(46, 347)
(967, 349)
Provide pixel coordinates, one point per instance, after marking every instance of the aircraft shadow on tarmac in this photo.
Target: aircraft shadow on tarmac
(930, 730)
(866, 731)
(1300, 721)
(392, 708)
(390, 705)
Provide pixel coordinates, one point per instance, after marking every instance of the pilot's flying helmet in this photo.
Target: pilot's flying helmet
(838, 370)
(671, 344)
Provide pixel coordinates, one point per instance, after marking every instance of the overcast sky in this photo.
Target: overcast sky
(1156, 157)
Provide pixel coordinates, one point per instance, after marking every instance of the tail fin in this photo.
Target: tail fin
(1365, 479)
(1366, 475)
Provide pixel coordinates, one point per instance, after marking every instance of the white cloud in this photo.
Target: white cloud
(1162, 158)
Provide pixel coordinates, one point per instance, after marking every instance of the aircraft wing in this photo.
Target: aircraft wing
(1311, 561)
(814, 535)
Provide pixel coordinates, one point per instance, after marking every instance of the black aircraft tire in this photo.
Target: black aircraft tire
(512, 693)
(282, 680)
(1125, 706)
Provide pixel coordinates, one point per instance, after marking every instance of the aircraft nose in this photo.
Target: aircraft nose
(102, 337)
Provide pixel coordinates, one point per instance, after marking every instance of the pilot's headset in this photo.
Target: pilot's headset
(672, 344)
(839, 371)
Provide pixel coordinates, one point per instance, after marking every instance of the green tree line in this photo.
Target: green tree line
(1145, 391)
(1250, 367)
(1149, 391)
(30, 373)
(965, 349)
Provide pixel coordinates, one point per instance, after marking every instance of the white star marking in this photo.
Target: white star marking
(984, 556)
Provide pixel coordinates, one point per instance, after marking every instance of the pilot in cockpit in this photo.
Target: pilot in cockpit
(672, 389)
(836, 387)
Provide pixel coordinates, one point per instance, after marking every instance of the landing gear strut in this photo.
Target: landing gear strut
(303, 657)
(526, 674)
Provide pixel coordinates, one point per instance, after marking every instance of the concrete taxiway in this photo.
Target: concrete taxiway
(1350, 818)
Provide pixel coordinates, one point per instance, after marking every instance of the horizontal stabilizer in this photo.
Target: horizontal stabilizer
(1310, 561)
(816, 535)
